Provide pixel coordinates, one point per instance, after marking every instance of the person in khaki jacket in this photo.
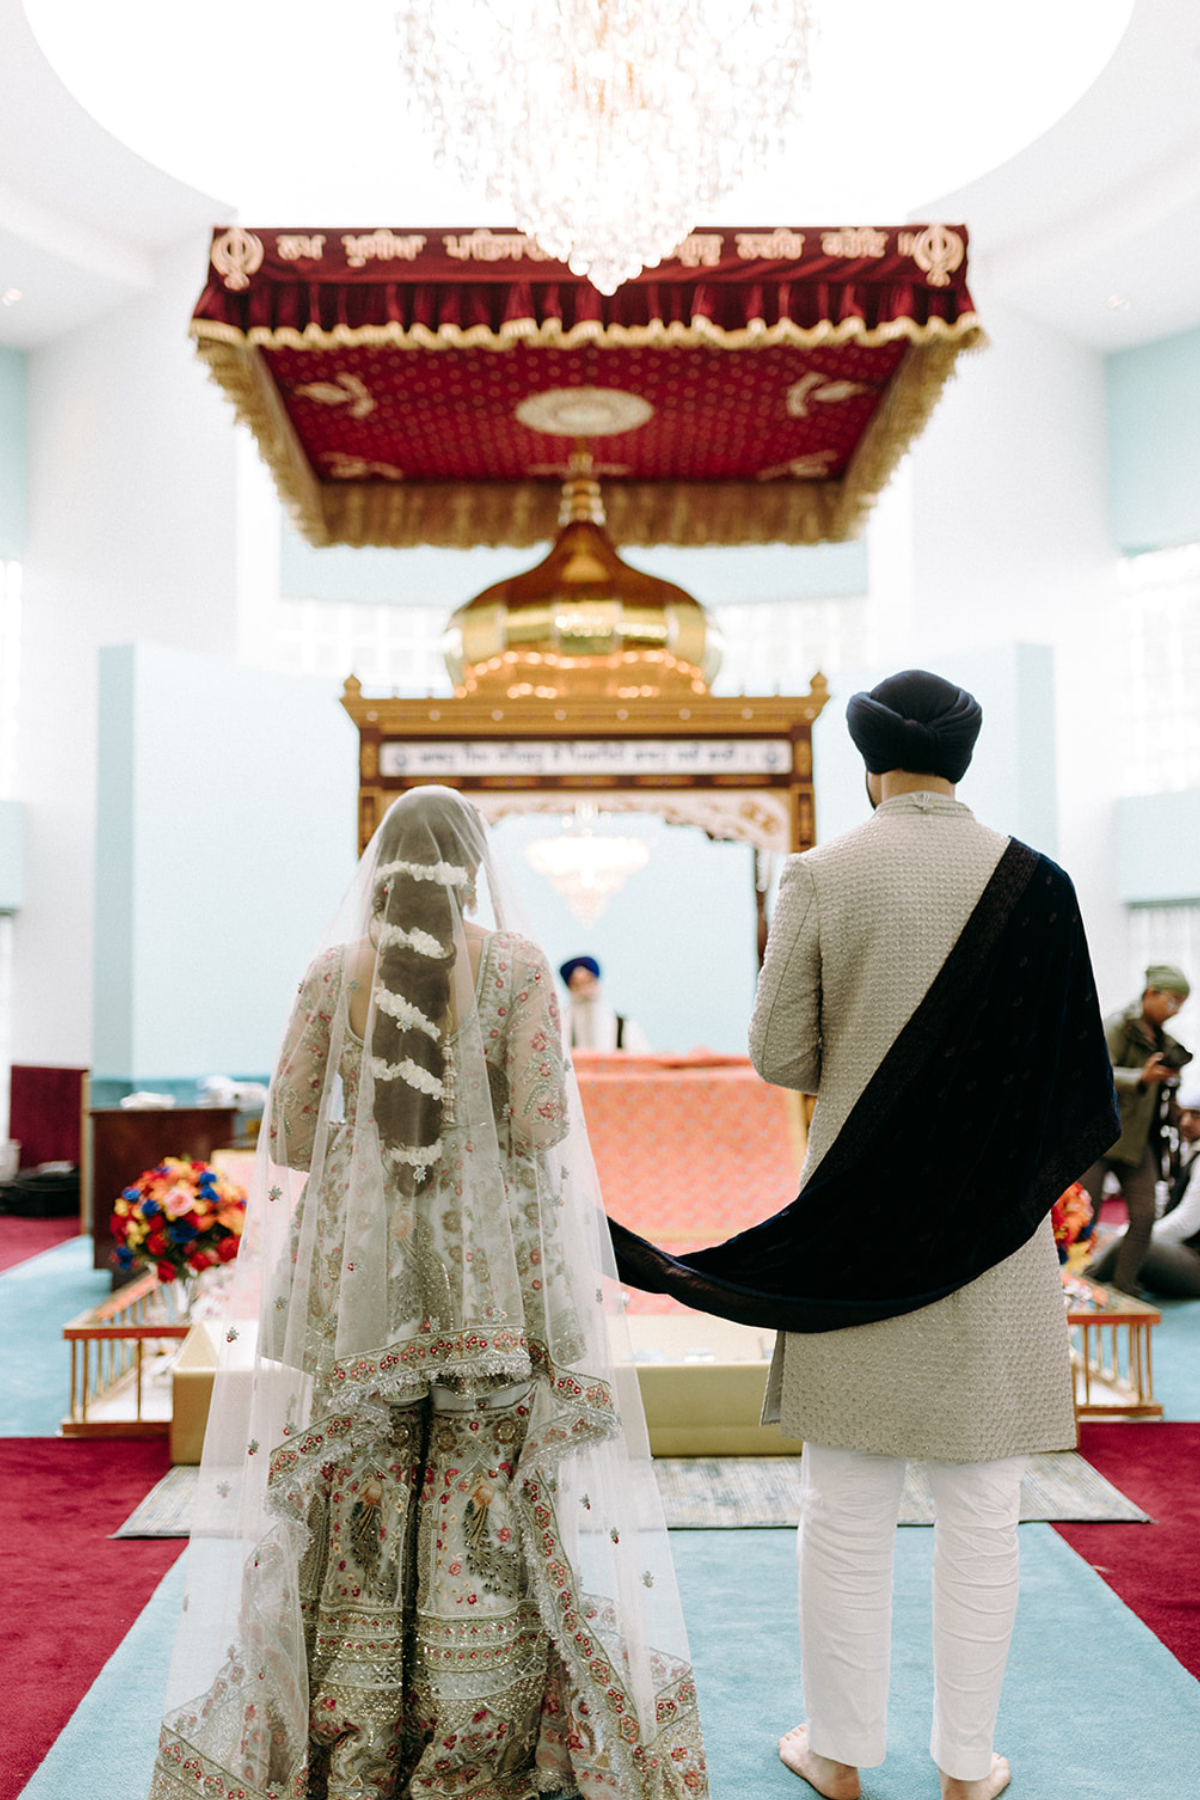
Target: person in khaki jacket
(1145, 1062)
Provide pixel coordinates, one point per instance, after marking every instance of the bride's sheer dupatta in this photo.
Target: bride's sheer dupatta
(425, 1232)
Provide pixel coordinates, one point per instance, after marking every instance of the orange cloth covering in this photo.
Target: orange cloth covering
(689, 1149)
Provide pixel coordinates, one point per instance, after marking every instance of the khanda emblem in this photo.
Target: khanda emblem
(937, 252)
(236, 254)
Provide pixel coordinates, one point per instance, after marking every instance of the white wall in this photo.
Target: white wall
(142, 530)
(132, 511)
(1008, 540)
(228, 797)
(1001, 786)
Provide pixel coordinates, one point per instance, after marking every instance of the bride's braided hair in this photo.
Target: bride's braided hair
(430, 846)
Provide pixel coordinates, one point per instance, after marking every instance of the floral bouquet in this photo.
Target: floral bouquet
(1070, 1215)
(179, 1219)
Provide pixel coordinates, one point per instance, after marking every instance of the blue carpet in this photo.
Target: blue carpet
(1079, 1658)
(1175, 1348)
(37, 1298)
(1056, 1692)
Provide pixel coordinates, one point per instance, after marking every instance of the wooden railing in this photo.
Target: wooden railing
(107, 1347)
(1110, 1356)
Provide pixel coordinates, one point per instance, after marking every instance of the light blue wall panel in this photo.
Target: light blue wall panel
(676, 945)
(14, 454)
(425, 576)
(227, 816)
(730, 575)
(12, 855)
(115, 975)
(1153, 400)
(231, 797)
(1158, 848)
(1011, 782)
(421, 576)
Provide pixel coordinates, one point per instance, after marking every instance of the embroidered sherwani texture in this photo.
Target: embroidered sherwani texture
(860, 929)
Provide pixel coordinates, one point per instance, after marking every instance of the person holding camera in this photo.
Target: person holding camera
(1146, 1064)
(1171, 1269)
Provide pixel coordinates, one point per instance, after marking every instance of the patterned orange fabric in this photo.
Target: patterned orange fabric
(688, 1150)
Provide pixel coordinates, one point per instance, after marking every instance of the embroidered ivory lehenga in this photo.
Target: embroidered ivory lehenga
(429, 1557)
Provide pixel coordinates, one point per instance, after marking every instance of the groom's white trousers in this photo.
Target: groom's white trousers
(845, 1547)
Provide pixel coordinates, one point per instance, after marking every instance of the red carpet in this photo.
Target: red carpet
(20, 1237)
(1155, 1569)
(70, 1595)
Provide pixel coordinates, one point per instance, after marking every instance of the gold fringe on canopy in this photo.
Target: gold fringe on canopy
(776, 378)
(552, 334)
(519, 514)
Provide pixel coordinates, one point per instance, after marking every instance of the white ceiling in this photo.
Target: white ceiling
(1107, 204)
(1104, 205)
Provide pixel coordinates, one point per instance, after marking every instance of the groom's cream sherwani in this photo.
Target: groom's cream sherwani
(860, 929)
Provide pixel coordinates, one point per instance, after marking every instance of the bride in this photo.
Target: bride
(429, 1556)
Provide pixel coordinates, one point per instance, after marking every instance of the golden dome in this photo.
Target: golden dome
(582, 621)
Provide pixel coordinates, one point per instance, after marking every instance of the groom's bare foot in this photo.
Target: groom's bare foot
(836, 1780)
(986, 1788)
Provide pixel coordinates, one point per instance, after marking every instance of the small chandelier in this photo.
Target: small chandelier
(587, 869)
(607, 127)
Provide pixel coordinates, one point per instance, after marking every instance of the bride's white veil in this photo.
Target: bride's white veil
(424, 1213)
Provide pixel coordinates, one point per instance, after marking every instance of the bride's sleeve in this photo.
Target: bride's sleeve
(300, 1073)
(537, 1088)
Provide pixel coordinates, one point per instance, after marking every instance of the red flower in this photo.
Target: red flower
(166, 1271)
(227, 1248)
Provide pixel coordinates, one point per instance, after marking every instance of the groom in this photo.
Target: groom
(928, 980)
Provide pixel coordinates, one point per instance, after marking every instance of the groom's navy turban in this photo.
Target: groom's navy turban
(916, 721)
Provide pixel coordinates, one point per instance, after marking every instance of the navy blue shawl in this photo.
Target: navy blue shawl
(995, 1096)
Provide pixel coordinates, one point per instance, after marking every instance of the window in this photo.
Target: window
(10, 674)
(1168, 934)
(385, 646)
(1159, 612)
(10, 691)
(777, 646)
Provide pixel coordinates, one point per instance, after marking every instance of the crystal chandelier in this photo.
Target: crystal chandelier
(608, 127)
(586, 869)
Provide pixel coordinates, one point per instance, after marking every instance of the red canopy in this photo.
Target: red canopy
(782, 373)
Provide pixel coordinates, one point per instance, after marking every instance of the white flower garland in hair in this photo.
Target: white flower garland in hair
(422, 1079)
(415, 1156)
(420, 941)
(444, 873)
(410, 1017)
